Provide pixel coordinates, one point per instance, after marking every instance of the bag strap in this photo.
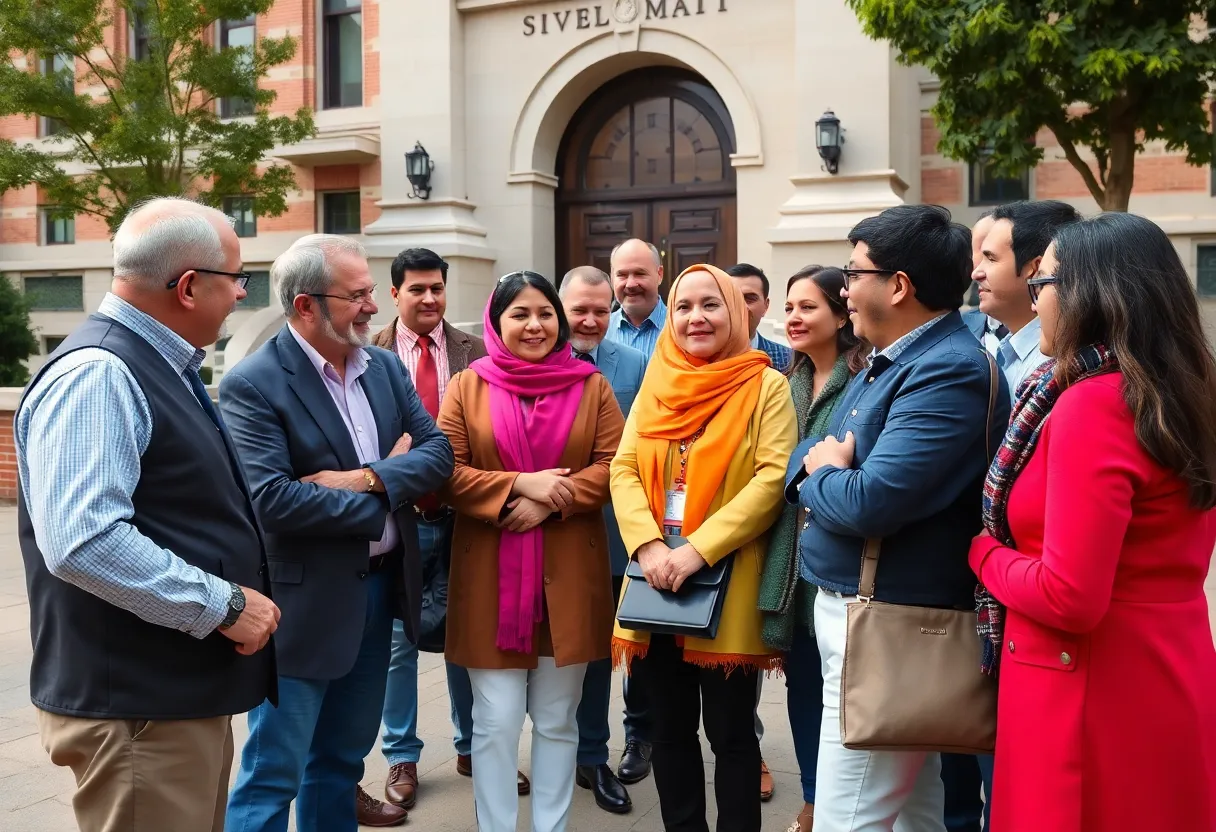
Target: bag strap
(873, 545)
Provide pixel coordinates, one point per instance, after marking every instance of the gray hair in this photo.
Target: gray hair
(304, 269)
(588, 274)
(163, 237)
(654, 250)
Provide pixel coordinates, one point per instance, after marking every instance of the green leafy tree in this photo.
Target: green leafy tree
(152, 128)
(17, 341)
(1102, 75)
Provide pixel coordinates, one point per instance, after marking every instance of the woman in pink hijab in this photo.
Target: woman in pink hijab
(530, 603)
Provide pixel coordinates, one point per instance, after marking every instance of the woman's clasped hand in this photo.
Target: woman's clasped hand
(667, 568)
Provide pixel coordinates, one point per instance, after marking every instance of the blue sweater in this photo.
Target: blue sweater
(917, 475)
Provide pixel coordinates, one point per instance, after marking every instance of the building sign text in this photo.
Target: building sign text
(623, 12)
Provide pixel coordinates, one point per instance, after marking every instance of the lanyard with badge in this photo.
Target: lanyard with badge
(673, 514)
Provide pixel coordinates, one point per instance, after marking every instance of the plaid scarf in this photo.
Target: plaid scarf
(1033, 402)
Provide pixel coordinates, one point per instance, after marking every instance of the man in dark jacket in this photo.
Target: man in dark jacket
(905, 462)
(337, 447)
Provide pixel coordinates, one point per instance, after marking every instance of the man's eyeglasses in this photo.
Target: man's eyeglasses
(1035, 285)
(359, 298)
(852, 274)
(241, 278)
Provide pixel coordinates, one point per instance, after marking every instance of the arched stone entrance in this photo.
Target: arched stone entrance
(648, 155)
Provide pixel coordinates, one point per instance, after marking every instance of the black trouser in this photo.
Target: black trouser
(680, 695)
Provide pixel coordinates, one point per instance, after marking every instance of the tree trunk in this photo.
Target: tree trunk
(1122, 173)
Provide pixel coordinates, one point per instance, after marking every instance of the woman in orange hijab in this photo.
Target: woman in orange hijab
(704, 456)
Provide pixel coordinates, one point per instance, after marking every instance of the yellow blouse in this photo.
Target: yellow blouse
(748, 502)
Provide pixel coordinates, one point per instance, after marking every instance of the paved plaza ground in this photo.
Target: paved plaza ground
(35, 796)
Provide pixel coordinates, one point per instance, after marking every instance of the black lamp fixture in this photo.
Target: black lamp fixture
(418, 167)
(828, 138)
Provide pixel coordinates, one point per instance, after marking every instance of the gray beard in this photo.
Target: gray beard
(350, 337)
(582, 343)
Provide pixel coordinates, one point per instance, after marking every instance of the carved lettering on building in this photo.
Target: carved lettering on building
(623, 11)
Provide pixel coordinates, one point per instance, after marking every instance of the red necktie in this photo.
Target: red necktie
(426, 379)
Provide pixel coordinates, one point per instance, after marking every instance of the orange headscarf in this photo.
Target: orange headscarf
(682, 393)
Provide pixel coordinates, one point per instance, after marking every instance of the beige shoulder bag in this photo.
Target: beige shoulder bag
(911, 679)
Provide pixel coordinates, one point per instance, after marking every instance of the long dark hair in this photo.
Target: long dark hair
(507, 290)
(1122, 284)
(830, 281)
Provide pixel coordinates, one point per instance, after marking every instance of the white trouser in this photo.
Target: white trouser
(866, 791)
(550, 696)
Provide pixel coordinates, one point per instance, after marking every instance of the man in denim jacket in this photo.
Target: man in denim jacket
(905, 462)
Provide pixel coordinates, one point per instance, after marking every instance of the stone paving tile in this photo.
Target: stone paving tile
(35, 796)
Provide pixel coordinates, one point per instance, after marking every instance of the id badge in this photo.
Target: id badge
(673, 514)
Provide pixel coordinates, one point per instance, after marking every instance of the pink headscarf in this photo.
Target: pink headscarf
(527, 443)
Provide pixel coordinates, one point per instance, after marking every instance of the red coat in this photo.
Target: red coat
(1106, 719)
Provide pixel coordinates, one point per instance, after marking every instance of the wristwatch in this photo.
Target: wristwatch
(236, 605)
(370, 476)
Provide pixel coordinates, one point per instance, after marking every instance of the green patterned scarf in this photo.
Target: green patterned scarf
(785, 600)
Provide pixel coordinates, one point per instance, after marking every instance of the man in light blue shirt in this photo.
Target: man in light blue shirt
(1010, 255)
(637, 271)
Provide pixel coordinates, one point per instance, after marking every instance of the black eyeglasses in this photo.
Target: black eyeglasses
(1035, 285)
(241, 278)
(852, 274)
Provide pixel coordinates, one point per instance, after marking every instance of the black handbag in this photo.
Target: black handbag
(696, 610)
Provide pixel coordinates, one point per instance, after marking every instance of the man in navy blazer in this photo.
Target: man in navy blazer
(336, 445)
(905, 462)
(586, 294)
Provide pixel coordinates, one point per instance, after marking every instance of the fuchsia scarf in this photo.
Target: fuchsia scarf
(527, 443)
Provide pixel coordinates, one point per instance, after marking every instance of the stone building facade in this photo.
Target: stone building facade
(558, 128)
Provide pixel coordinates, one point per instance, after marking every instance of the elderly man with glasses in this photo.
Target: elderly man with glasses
(337, 447)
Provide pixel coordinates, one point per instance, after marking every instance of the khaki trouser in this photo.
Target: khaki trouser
(143, 776)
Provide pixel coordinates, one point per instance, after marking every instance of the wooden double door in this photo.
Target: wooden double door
(648, 156)
(686, 232)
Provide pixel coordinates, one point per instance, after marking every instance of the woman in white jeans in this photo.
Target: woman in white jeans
(533, 430)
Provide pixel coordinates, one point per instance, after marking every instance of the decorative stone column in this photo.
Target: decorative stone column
(877, 101)
(422, 88)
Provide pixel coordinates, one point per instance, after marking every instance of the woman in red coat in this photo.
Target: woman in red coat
(1100, 531)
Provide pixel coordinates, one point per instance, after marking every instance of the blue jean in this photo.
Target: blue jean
(804, 701)
(593, 728)
(962, 775)
(311, 747)
(399, 740)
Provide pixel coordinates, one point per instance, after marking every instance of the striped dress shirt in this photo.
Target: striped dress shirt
(81, 433)
(409, 352)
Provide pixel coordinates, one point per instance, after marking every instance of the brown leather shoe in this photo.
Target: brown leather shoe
(464, 767)
(374, 813)
(401, 787)
(766, 783)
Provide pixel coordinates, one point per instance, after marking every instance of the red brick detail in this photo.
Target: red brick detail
(1169, 174)
(8, 459)
(929, 136)
(90, 227)
(941, 186)
(336, 177)
(22, 228)
(371, 54)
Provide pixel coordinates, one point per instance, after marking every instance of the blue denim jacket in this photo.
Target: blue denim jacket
(917, 475)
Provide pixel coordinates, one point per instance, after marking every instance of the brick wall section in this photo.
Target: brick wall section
(929, 136)
(941, 186)
(8, 459)
(371, 54)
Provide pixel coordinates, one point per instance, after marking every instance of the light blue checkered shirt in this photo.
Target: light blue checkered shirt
(644, 337)
(80, 435)
(897, 347)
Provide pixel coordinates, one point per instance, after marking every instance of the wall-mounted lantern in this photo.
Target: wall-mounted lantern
(418, 167)
(829, 136)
